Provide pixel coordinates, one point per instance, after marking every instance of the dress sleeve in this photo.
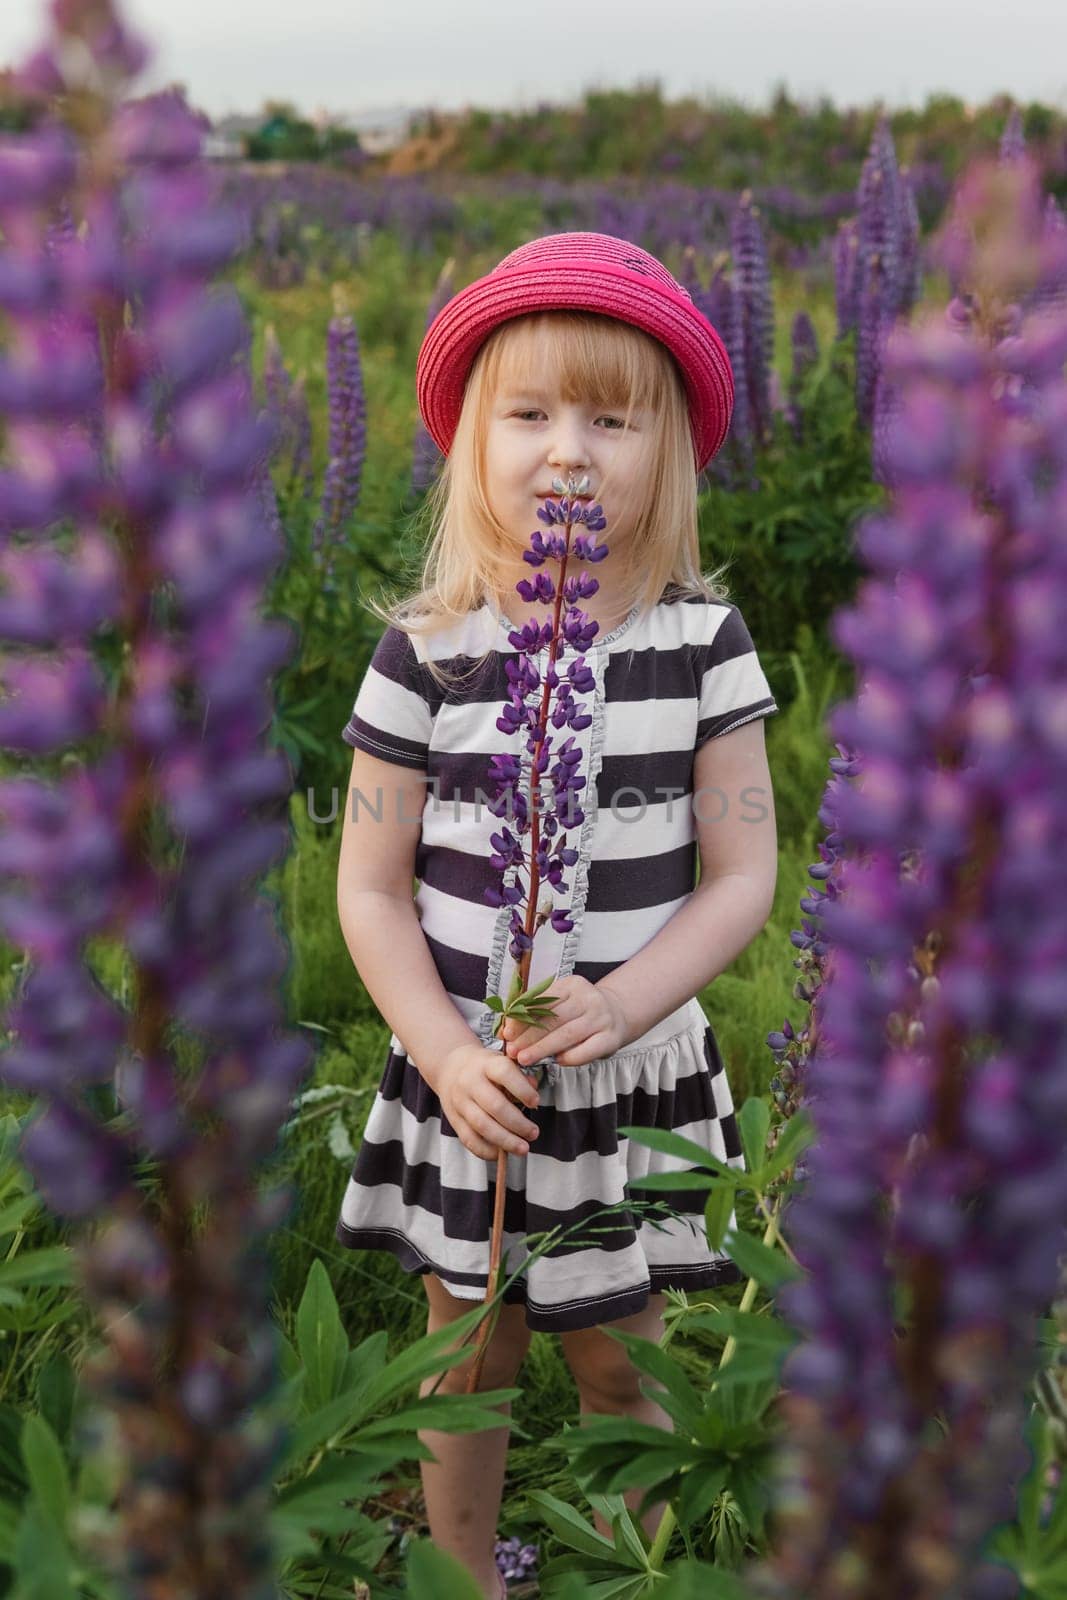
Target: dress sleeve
(731, 685)
(393, 714)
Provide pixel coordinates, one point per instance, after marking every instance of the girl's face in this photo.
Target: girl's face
(534, 435)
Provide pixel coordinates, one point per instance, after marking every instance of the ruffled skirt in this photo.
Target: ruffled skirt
(416, 1189)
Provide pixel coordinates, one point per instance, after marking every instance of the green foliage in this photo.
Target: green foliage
(725, 143)
(789, 543)
(283, 135)
(1035, 1545)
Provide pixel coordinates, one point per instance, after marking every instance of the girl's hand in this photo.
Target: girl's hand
(481, 1093)
(589, 1023)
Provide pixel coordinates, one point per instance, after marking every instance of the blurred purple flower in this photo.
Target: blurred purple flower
(347, 437)
(755, 306)
(132, 457)
(931, 1219)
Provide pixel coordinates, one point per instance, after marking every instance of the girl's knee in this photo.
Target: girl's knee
(600, 1365)
(509, 1342)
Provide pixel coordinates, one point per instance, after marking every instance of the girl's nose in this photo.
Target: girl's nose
(568, 451)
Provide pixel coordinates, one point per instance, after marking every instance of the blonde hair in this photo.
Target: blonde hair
(600, 360)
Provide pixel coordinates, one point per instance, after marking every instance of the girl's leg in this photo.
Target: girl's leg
(608, 1386)
(464, 1486)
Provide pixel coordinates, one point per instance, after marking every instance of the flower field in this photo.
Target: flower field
(211, 464)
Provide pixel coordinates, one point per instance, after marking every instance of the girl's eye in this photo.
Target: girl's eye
(607, 417)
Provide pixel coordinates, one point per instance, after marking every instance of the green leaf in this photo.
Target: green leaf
(48, 1266)
(754, 1121)
(796, 1135)
(748, 1328)
(318, 1502)
(46, 1471)
(757, 1364)
(770, 1268)
(432, 1572)
(678, 1180)
(423, 1357)
(674, 1144)
(539, 988)
(1032, 1488)
(629, 1535)
(717, 1213)
(495, 1003)
(701, 1487)
(347, 1410)
(698, 1580)
(320, 1338)
(56, 1393)
(752, 1494)
(40, 1560)
(471, 1411)
(612, 1466)
(568, 1524)
(650, 1357)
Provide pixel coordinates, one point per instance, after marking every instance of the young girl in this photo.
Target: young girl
(579, 354)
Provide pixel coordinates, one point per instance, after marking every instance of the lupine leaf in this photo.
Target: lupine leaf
(669, 1143)
(651, 1358)
(700, 1489)
(568, 1524)
(320, 1338)
(754, 1121)
(717, 1213)
(432, 1572)
(770, 1268)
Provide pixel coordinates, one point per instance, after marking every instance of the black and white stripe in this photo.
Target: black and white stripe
(666, 681)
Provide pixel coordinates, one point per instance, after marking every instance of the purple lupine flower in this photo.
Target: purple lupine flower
(740, 441)
(426, 458)
(910, 271)
(887, 271)
(278, 387)
(300, 475)
(348, 435)
(846, 278)
(527, 707)
(886, 409)
(874, 320)
(1012, 141)
(805, 348)
(1051, 293)
(151, 835)
(515, 1560)
(930, 1222)
(290, 418)
(878, 212)
(752, 286)
(792, 1049)
(805, 345)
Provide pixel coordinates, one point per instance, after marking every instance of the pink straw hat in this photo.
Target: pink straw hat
(584, 272)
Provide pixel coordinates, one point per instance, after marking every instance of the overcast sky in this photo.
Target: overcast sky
(353, 55)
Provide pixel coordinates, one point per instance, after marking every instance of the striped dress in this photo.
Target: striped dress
(666, 680)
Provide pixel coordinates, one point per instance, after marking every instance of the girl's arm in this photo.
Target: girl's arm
(379, 920)
(737, 840)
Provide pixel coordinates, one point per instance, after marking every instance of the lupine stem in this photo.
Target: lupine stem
(500, 1192)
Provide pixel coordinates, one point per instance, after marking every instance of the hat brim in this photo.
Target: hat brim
(466, 321)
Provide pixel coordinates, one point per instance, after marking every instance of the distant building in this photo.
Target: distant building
(226, 140)
(378, 131)
(382, 130)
